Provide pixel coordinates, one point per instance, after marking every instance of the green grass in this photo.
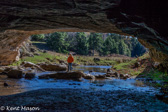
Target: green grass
(158, 75)
(89, 60)
(43, 57)
(126, 67)
(52, 57)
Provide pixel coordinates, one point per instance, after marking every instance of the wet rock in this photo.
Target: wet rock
(112, 74)
(29, 75)
(17, 74)
(63, 75)
(100, 76)
(108, 75)
(127, 76)
(109, 70)
(89, 77)
(124, 76)
(31, 65)
(117, 74)
(90, 71)
(121, 75)
(53, 67)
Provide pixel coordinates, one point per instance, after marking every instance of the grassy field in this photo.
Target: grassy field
(53, 57)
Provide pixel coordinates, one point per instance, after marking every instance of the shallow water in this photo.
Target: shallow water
(22, 85)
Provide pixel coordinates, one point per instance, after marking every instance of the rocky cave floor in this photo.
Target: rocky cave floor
(67, 100)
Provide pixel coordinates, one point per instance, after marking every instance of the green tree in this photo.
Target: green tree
(82, 43)
(39, 37)
(95, 42)
(56, 41)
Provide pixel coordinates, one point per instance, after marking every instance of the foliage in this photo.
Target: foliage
(56, 41)
(39, 37)
(95, 42)
(83, 44)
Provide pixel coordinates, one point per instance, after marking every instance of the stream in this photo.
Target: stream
(22, 85)
(130, 93)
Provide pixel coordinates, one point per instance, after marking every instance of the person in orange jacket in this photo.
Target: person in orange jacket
(70, 61)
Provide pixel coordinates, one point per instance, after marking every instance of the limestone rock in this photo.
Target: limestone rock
(53, 67)
(31, 65)
(100, 76)
(124, 76)
(17, 74)
(89, 77)
(29, 75)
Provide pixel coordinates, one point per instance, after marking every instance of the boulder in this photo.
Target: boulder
(124, 76)
(109, 70)
(121, 76)
(31, 65)
(100, 76)
(112, 74)
(63, 75)
(28, 64)
(29, 75)
(17, 74)
(108, 75)
(89, 77)
(53, 67)
(117, 74)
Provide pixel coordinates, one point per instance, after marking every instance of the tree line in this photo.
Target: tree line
(84, 44)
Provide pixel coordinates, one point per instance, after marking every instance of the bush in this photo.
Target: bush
(40, 37)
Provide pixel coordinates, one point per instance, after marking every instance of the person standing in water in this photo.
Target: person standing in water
(70, 61)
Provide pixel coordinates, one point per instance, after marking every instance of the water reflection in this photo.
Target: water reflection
(94, 70)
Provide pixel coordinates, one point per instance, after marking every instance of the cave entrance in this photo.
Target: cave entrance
(88, 48)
